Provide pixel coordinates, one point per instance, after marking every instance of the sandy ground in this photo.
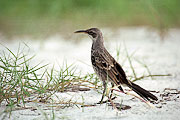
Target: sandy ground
(162, 57)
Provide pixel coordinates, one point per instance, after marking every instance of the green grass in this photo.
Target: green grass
(46, 17)
(19, 80)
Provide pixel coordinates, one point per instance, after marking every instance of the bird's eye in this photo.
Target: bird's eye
(93, 34)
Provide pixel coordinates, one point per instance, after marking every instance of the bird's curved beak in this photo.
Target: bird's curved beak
(81, 31)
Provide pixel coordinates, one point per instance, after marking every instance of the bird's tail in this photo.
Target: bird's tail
(142, 92)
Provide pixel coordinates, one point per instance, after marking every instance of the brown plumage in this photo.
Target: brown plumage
(107, 68)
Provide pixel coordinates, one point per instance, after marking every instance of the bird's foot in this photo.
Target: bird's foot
(108, 100)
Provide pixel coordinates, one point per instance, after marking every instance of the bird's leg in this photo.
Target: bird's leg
(111, 90)
(105, 87)
(109, 97)
(112, 103)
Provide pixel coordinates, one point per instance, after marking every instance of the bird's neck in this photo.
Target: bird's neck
(99, 42)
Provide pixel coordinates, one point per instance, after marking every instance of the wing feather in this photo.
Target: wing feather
(107, 63)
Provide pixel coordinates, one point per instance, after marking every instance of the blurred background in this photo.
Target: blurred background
(142, 35)
(41, 18)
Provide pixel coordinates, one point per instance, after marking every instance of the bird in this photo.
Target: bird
(108, 69)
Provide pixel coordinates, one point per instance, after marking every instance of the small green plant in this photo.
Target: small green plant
(19, 80)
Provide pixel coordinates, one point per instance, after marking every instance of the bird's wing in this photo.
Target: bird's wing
(107, 63)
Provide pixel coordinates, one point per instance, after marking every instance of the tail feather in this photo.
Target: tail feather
(142, 92)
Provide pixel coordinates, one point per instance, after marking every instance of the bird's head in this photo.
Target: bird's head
(94, 33)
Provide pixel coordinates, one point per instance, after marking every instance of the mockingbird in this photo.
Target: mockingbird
(107, 68)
